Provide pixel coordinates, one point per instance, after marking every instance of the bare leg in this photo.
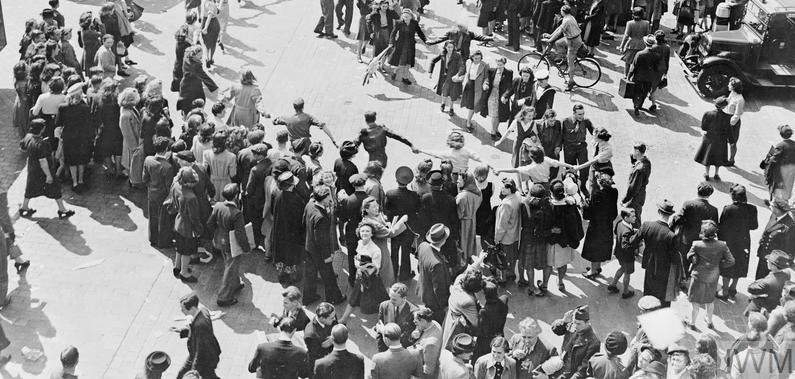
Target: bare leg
(596, 267)
(26, 203)
(61, 207)
(617, 276)
(626, 282)
(694, 313)
(73, 172)
(547, 272)
(81, 173)
(470, 113)
(561, 275)
(732, 151)
(710, 310)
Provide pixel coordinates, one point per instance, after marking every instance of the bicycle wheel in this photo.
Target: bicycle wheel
(534, 61)
(587, 72)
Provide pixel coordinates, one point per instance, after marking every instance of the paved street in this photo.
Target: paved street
(97, 284)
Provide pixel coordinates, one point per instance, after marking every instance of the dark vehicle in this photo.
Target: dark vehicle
(761, 52)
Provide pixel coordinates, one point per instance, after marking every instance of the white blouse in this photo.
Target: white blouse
(48, 103)
(371, 250)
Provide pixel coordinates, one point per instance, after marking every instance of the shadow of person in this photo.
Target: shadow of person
(145, 44)
(725, 187)
(27, 323)
(65, 233)
(105, 201)
(147, 27)
(595, 98)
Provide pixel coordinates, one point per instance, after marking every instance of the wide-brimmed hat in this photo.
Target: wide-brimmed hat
(348, 149)
(437, 233)
(779, 259)
(666, 207)
(463, 343)
(648, 303)
(649, 40)
(157, 361)
(404, 175)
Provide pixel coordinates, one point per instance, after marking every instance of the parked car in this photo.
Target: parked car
(761, 52)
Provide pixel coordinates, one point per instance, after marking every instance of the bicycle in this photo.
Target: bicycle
(587, 70)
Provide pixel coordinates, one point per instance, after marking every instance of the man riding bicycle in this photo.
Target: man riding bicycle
(570, 41)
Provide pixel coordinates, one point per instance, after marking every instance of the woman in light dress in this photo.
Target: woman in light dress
(468, 200)
(382, 232)
(247, 97)
(221, 164)
(735, 109)
(132, 145)
(368, 272)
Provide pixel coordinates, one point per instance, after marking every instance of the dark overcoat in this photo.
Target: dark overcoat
(505, 90)
(403, 37)
(601, 212)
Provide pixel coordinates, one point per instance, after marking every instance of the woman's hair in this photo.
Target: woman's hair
(361, 226)
(374, 169)
(206, 133)
(707, 345)
(605, 180)
(423, 168)
(193, 52)
(107, 9)
(85, 20)
(659, 36)
(129, 98)
(472, 281)
(637, 13)
(247, 78)
(181, 35)
(57, 85)
(557, 189)
(738, 194)
(109, 87)
(550, 113)
(316, 149)
(603, 134)
(536, 154)
(219, 142)
(736, 85)
(481, 170)
(499, 341)
(703, 366)
(448, 42)
(455, 140)
(153, 90)
(20, 71)
(367, 202)
(30, 24)
(35, 71)
(476, 52)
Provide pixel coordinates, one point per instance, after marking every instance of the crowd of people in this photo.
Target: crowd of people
(217, 189)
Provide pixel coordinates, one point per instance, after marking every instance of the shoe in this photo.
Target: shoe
(720, 296)
(340, 27)
(227, 303)
(221, 45)
(176, 272)
(710, 326)
(130, 62)
(188, 279)
(732, 293)
(628, 294)
(442, 108)
(451, 112)
(494, 137)
(240, 287)
(570, 86)
(706, 177)
(320, 35)
(717, 177)
(26, 212)
(535, 292)
(541, 287)
(523, 283)
(21, 266)
(122, 73)
(730, 163)
(612, 289)
(406, 81)
(561, 287)
(637, 111)
(331, 36)
(653, 108)
(66, 214)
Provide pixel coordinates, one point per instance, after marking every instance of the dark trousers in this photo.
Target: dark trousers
(350, 245)
(230, 282)
(513, 31)
(326, 23)
(640, 94)
(4, 250)
(575, 155)
(348, 19)
(439, 314)
(160, 224)
(638, 210)
(204, 372)
(401, 248)
(254, 216)
(553, 171)
(312, 265)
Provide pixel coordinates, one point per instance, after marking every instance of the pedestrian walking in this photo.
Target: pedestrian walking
(575, 148)
(227, 218)
(451, 71)
(188, 223)
(492, 315)
(708, 256)
(508, 228)
(248, 101)
(663, 265)
(475, 76)
(41, 179)
(735, 108)
(203, 349)
(340, 363)
(158, 174)
(317, 334)
(75, 135)
(779, 166)
(433, 286)
(319, 247)
(404, 40)
(777, 235)
(687, 222)
(626, 250)
(717, 131)
(193, 76)
(601, 211)
(736, 222)
(564, 235)
(281, 358)
(594, 24)
(497, 91)
(440, 207)
(635, 196)
(643, 72)
(325, 25)
(401, 202)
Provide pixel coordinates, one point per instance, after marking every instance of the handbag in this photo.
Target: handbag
(626, 88)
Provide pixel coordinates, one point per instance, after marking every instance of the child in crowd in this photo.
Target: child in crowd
(625, 250)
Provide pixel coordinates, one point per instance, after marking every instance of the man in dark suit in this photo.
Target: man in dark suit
(638, 180)
(660, 255)
(779, 234)
(687, 222)
(434, 273)
(246, 158)
(203, 349)
(157, 176)
(227, 217)
(402, 201)
(317, 334)
(512, 12)
(498, 79)
(280, 359)
(396, 310)
(575, 149)
(440, 208)
(350, 214)
(340, 363)
(643, 72)
(550, 135)
(462, 38)
(319, 247)
(397, 362)
(255, 192)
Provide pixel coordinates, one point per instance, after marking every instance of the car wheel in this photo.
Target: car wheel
(714, 80)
